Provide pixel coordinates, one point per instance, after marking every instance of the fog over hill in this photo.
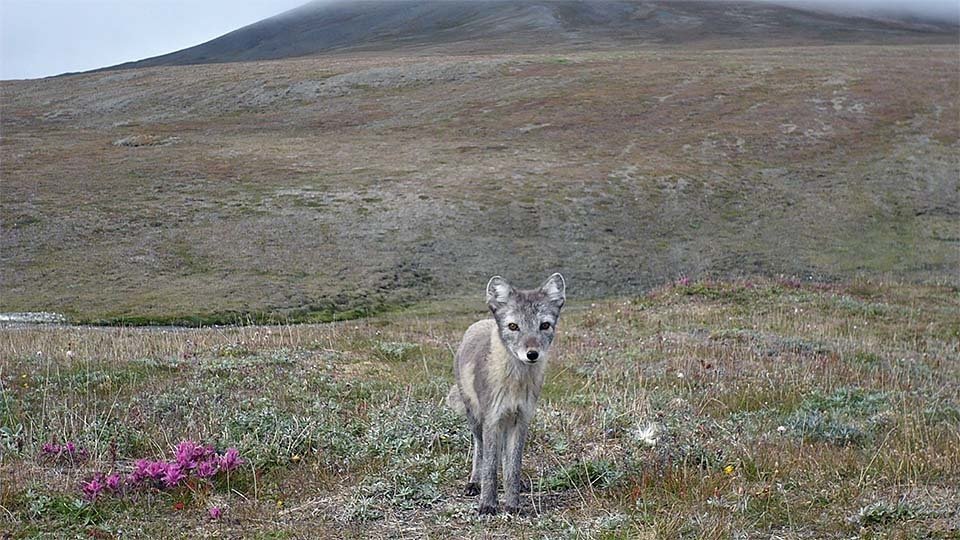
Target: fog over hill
(489, 26)
(917, 10)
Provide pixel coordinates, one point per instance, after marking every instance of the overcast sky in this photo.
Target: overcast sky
(48, 37)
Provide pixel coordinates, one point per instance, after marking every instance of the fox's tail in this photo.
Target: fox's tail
(454, 401)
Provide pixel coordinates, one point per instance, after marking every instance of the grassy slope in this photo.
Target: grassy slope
(316, 188)
(345, 435)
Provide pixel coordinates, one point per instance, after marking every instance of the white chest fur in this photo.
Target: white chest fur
(515, 385)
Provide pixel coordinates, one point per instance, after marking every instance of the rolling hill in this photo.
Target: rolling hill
(485, 26)
(337, 184)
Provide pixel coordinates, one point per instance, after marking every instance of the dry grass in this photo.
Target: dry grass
(781, 409)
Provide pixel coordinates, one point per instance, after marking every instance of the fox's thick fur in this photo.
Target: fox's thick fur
(499, 369)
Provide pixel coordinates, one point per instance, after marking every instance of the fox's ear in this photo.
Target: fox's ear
(498, 291)
(555, 289)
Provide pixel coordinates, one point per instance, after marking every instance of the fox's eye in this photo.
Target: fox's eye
(513, 327)
(544, 325)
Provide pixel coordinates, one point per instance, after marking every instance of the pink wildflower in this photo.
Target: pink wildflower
(185, 454)
(215, 512)
(173, 475)
(230, 460)
(207, 467)
(113, 482)
(68, 451)
(205, 452)
(94, 487)
(189, 454)
(139, 471)
(51, 449)
(684, 281)
(156, 469)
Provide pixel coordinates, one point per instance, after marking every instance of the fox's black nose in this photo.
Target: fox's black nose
(533, 355)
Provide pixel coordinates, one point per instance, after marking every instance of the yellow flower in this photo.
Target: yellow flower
(279, 504)
(728, 469)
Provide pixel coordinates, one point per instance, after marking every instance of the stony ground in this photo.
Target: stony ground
(334, 187)
(704, 409)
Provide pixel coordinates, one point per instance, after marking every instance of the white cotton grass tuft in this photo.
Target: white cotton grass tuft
(648, 434)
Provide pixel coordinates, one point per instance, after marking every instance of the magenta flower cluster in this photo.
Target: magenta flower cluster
(190, 459)
(100, 483)
(67, 451)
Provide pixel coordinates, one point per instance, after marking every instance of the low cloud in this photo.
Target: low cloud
(924, 10)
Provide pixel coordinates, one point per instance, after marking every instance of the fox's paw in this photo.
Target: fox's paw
(473, 488)
(487, 510)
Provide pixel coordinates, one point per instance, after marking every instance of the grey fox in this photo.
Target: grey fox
(499, 369)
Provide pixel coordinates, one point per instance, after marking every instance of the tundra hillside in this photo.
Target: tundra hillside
(329, 187)
(739, 409)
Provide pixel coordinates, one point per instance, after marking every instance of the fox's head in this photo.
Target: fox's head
(527, 320)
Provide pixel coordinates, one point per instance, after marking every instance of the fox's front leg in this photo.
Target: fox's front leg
(490, 462)
(473, 485)
(516, 436)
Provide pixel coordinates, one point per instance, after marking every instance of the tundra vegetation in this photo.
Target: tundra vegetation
(703, 409)
(332, 187)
